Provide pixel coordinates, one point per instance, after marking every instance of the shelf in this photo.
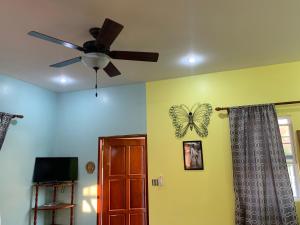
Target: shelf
(54, 204)
(55, 207)
(54, 184)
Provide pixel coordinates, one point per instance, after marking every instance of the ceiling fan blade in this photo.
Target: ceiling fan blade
(111, 70)
(54, 40)
(66, 63)
(108, 33)
(138, 56)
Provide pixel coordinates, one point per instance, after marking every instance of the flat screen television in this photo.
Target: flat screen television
(55, 169)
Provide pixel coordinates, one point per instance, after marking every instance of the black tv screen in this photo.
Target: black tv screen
(55, 169)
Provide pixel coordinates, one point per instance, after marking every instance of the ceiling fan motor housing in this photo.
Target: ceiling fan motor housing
(90, 46)
(94, 31)
(95, 59)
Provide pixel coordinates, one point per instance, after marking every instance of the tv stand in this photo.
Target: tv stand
(54, 205)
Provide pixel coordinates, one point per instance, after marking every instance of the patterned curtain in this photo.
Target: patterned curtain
(263, 193)
(5, 119)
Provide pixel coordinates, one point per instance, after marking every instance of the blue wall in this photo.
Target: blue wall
(60, 125)
(82, 118)
(26, 139)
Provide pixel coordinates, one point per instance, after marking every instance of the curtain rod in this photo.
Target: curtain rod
(277, 103)
(18, 116)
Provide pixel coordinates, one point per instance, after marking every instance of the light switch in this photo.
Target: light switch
(158, 181)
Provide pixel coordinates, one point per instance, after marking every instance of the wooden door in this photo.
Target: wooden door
(124, 182)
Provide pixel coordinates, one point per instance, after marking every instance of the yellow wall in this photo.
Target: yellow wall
(206, 197)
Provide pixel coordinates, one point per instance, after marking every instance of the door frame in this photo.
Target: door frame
(99, 175)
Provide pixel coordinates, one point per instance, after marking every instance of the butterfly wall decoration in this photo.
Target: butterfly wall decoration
(197, 118)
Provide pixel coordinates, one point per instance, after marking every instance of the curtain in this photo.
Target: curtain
(263, 193)
(5, 119)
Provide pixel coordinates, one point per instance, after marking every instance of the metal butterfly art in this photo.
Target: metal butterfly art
(197, 117)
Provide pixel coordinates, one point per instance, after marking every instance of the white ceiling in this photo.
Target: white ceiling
(229, 34)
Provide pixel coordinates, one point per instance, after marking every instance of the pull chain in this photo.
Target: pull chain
(96, 83)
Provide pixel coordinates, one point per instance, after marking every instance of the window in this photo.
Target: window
(287, 137)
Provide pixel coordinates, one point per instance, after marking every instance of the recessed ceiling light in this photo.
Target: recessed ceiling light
(63, 80)
(191, 60)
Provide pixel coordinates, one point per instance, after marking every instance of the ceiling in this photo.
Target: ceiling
(228, 35)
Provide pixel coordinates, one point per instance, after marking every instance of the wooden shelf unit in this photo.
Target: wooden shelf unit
(54, 207)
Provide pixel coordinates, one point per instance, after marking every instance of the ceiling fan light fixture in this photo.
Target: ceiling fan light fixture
(95, 60)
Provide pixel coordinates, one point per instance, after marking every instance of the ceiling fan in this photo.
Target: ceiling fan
(97, 53)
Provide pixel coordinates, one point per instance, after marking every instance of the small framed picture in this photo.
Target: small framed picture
(192, 154)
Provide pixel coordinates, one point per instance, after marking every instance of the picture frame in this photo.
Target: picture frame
(192, 155)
